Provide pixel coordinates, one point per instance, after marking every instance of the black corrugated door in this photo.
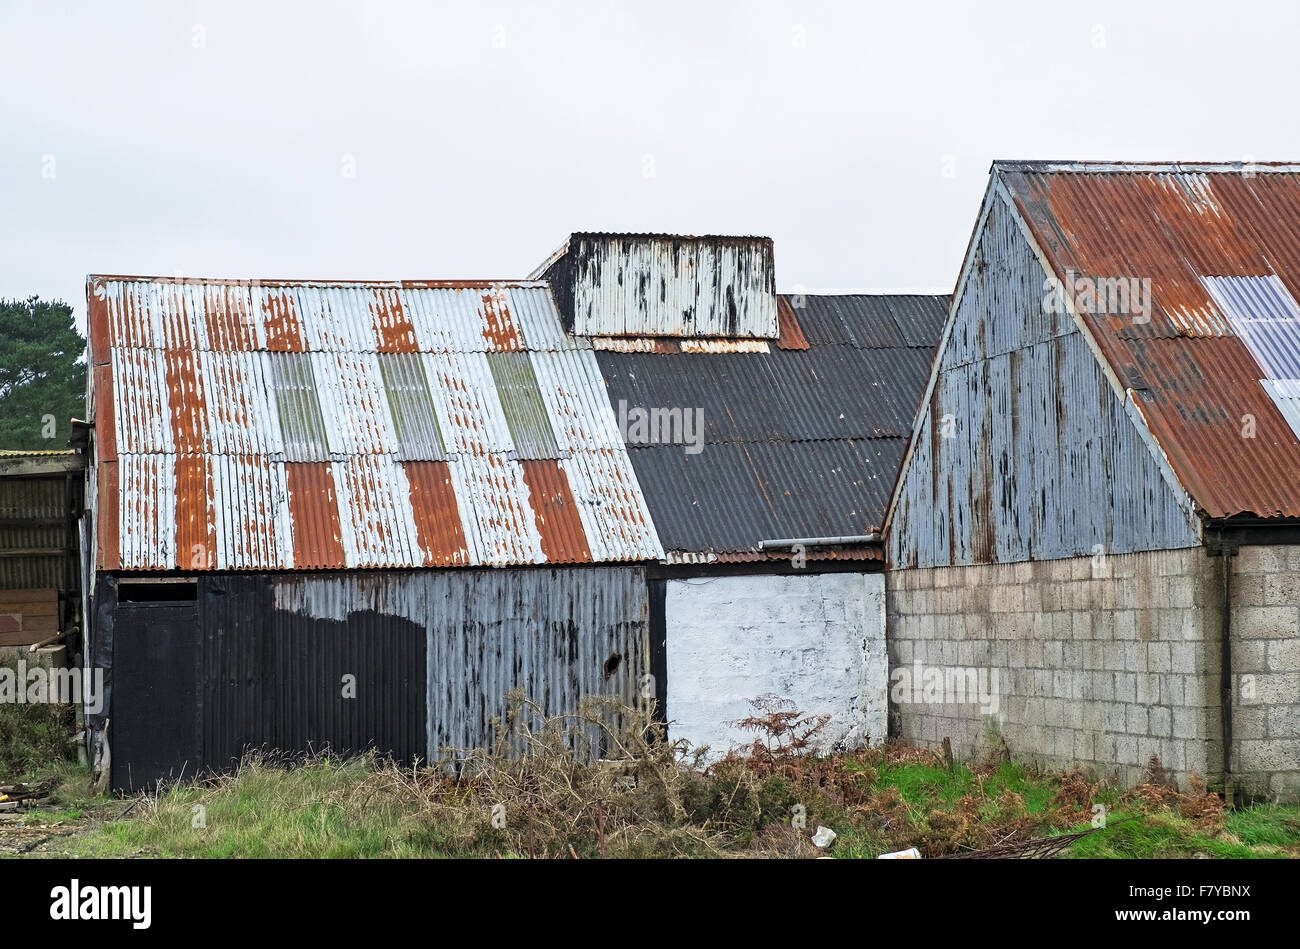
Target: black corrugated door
(153, 729)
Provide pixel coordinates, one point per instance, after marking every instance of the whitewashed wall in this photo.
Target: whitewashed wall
(818, 640)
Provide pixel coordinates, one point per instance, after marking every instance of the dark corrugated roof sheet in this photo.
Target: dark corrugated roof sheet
(1176, 225)
(796, 443)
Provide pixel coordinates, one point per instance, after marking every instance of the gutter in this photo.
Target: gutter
(872, 538)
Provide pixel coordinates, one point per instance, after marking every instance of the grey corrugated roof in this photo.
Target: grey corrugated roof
(797, 443)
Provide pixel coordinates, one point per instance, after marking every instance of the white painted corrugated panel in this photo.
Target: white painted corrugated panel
(147, 511)
(613, 512)
(672, 286)
(251, 505)
(377, 522)
(140, 401)
(239, 403)
(500, 527)
(465, 398)
(574, 393)
(353, 403)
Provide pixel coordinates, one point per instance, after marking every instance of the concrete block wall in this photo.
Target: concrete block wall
(1266, 670)
(817, 640)
(1099, 662)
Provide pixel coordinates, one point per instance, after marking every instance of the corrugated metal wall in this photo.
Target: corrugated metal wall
(665, 285)
(558, 634)
(1042, 461)
(431, 654)
(274, 678)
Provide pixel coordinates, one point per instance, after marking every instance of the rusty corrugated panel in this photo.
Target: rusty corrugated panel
(185, 400)
(1198, 380)
(196, 536)
(280, 319)
(558, 523)
(108, 515)
(252, 376)
(636, 344)
(790, 334)
(314, 516)
(666, 285)
(436, 514)
(498, 325)
(393, 327)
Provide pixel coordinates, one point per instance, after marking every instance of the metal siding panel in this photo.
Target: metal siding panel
(630, 285)
(147, 514)
(272, 667)
(1076, 473)
(292, 379)
(545, 632)
(353, 403)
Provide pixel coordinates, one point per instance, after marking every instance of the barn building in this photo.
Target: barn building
(356, 515)
(766, 432)
(351, 515)
(1099, 511)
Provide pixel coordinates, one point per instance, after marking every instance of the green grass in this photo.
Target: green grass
(359, 809)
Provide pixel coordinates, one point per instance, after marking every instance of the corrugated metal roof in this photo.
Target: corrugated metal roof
(647, 285)
(795, 442)
(293, 425)
(1199, 383)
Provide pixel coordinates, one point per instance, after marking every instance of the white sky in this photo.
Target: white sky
(211, 138)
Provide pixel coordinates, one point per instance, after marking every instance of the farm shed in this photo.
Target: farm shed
(1101, 497)
(766, 432)
(353, 514)
(40, 578)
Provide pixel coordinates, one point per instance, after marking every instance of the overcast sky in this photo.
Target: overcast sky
(431, 140)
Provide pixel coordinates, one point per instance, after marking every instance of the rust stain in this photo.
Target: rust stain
(555, 512)
(436, 514)
(186, 401)
(789, 333)
(498, 326)
(283, 324)
(393, 327)
(97, 322)
(108, 504)
(196, 536)
(314, 512)
(105, 415)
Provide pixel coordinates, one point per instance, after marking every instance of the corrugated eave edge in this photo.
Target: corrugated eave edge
(529, 283)
(997, 190)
